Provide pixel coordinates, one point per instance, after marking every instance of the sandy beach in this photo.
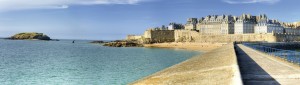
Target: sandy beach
(202, 47)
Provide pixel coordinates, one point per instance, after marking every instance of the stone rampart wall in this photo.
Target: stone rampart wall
(193, 36)
(160, 36)
(133, 37)
(287, 37)
(186, 36)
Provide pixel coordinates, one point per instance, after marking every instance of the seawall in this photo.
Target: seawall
(194, 36)
(159, 36)
(218, 66)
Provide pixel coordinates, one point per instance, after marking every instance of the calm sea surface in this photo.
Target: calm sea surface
(82, 63)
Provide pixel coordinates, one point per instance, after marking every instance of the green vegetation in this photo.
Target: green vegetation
(30, 36)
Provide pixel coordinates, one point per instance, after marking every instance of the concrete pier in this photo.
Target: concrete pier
(260, 69)
(228, 66)
(217, 67)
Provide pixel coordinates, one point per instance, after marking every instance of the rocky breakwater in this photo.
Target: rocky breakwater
(30, 36)
(121, 43)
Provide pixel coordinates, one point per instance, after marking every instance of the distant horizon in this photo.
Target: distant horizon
(71, 39)
(113, 20)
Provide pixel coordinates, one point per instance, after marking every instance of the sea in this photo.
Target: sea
(25, 62)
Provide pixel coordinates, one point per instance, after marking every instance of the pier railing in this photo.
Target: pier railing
(288, 55)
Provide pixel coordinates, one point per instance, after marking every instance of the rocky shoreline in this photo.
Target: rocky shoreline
(121, 43)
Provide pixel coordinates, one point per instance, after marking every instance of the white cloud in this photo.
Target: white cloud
(250, 1)
(7, 5)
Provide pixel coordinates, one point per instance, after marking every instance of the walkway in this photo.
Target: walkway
(261, 69)
(216, 67)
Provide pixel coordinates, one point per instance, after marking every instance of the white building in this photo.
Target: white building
(245, 24)
(175, 26)
(171, 27)
(214, 24)
(268, 26)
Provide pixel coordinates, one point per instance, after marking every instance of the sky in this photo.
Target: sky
(114, 19)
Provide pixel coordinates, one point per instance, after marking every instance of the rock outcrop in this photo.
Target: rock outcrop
(97, 42)
(123, 44)
(30, 36)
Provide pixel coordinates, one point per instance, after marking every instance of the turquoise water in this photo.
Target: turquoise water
(82, 63)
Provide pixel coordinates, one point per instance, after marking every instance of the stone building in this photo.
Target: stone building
(268, 26)
(245, 24)
(224, 28)
(291, 25)
(214, 24)
(292, 31)
(297, 24)
(191, 24)
(175, 26)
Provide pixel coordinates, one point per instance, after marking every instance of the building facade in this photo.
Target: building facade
(268, 26)
(191, 24)
(224, 28)
(245, 24)
(175, 26)
(214, 24)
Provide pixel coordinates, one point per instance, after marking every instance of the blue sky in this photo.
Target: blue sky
(114, 19)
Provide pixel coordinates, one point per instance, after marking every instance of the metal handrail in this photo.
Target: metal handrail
(288, 55)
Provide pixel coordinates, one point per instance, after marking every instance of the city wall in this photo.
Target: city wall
(287, 37)
(133, 37)
(193, 36)
(159, 36)
(186, 36)
(162, 36)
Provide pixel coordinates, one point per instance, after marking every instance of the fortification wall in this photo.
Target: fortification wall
(160, 36)
(193, 36)
(287, 37)
(133, 37)
(186, 36)
(238, 38)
